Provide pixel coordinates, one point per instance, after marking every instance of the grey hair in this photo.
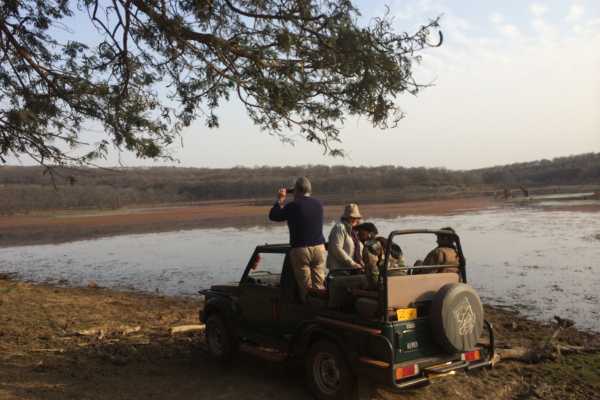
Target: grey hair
(303, 186)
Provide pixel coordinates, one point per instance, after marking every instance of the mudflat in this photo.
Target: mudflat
(94, 343)
(64, 226)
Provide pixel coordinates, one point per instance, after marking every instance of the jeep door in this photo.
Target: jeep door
(260, 295)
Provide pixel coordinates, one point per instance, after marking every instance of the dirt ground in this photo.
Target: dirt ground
(132, 355)
(63, 226)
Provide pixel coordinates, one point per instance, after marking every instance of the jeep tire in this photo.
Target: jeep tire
(328, 374)
(457, 317)
(222, 344)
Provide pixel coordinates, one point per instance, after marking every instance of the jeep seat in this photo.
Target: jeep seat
(288, 284)
(317, 298)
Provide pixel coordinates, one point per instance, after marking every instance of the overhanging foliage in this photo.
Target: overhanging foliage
(297, 66)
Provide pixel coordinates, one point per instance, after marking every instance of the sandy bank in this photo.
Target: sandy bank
(68, 226)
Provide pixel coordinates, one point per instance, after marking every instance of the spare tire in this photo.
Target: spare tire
(456, 317)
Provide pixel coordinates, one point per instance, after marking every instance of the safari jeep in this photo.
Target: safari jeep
(418, 325)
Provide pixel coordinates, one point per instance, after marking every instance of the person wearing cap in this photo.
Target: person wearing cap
(366, 231)
(371, 253)
(345, 249)
(444, 254)
(304, 216)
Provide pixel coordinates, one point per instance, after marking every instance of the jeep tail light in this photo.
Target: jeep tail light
(471, 355)
(407, 371)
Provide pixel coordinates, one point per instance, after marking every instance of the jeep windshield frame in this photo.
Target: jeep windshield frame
(281, 248)
(384, 272)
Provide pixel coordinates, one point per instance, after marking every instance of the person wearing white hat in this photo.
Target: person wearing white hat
(344, 249)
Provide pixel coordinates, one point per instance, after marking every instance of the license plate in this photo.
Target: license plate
(406, 314)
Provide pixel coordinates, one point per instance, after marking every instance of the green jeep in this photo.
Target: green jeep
(420, 323)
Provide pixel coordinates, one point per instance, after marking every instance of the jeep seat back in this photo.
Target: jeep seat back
(406, 290)
(288, 284)
(367, 307)
(339, 289)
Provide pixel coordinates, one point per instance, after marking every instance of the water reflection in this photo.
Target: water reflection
(543, 263)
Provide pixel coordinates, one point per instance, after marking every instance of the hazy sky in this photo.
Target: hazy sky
(514, 81)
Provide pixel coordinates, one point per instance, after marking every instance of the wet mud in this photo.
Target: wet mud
(44, 356)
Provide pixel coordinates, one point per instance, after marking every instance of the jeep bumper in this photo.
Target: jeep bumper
(437, 371)
(428, 371)
(423, 371)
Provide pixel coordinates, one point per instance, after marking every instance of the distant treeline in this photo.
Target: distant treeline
(28, 188)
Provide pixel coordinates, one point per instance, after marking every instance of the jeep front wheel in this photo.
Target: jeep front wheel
(328, 374)
(222, 344)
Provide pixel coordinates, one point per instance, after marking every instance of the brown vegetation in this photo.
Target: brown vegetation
(45, 355)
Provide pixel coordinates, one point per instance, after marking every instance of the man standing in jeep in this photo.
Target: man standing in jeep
(304, 217)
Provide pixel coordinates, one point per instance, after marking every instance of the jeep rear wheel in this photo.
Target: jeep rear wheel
(328, 374)
(222, 344)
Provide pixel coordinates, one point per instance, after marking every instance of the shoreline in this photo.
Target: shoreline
(67, 226)
(98, 343)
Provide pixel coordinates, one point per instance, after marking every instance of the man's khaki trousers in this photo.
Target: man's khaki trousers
(308, 264)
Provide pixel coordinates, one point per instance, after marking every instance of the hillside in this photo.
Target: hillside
(25, 189)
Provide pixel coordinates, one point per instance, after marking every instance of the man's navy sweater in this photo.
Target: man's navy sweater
(304, 217)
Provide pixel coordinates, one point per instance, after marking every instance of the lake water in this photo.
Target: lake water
(541, 263)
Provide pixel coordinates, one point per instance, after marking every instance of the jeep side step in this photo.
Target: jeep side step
(265, 353)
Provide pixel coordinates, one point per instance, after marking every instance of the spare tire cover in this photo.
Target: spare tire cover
(457, 317)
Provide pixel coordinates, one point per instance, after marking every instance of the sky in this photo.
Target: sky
(514, 81)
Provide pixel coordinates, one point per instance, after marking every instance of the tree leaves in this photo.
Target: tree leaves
(298, 67)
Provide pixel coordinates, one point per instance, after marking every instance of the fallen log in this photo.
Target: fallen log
(127, 330)
(48, 350)
(103, 331)
(550, 348)
(518, 354)
(568, 349)
(187, 329)
(534, 355)
(98, 332)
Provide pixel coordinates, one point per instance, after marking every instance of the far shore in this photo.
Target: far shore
(59, 226)
(66, 226)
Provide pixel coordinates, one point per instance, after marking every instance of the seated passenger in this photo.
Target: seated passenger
(444, 254)
(366, 231)
(374, 258)
(344, 248)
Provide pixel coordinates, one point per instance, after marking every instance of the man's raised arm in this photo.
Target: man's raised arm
(278, 212)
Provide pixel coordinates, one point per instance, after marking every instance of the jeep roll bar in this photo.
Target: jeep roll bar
(384, 272)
